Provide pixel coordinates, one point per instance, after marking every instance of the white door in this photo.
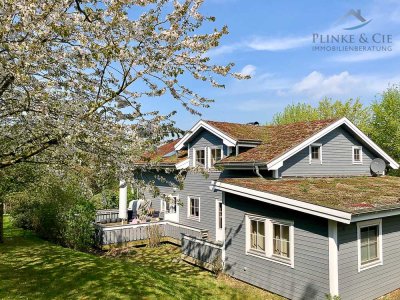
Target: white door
(171, 209)
(219, 220)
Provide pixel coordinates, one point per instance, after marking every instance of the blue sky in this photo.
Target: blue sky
(272, 41)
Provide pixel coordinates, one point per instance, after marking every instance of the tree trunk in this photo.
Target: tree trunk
(1, 220)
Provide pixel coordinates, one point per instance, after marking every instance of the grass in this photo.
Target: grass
(395, 295)
(31, 268)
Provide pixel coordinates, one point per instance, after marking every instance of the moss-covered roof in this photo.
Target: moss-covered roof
(276, 140)
(242, 132)
(165, 155)
(354, 194)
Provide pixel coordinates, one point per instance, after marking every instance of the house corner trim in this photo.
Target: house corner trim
(333, 258)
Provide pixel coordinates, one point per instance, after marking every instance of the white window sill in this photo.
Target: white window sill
(370, 265)
(262, 255)
(194, 218)
(357, 163)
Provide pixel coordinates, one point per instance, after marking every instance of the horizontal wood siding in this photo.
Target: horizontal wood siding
(336, 158)
(165, 186)
(195, 184)
(198, 185)
(376, 281)
(308, 279)
(198, 249)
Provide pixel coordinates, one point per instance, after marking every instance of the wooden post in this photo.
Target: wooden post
(123, 195)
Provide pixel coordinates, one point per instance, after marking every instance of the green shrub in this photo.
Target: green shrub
(57, 209)
(78, 231)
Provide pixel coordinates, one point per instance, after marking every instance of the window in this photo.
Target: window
(357, 155)
(281, 240)
(194, 208)
(216, 155)
(200, 157)
(315, 153)
(369, 244)
(170, 205)
(270, 239)
(257, 235)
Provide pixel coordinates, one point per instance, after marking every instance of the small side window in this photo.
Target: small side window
(315, 153)
(357, 155)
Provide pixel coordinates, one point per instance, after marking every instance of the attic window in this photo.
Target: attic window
(357, 155)
(315, 153)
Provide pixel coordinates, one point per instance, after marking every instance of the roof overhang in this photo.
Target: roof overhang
(277, 162)
(375, 214)
(182, 165)
(227, 140)
(242, 165)
(301, 206)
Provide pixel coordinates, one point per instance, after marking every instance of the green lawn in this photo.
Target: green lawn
(31, 268)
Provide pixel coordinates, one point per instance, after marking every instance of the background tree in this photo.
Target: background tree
(381, 120)
(354, 110)
(386, 122)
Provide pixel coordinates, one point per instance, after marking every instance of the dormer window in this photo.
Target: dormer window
(315, 153)
(200, 157)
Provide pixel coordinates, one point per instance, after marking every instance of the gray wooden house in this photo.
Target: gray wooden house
(302, 210)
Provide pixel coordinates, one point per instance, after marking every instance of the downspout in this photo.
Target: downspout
(257, 171)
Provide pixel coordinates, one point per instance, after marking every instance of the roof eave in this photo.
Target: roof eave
(242, 164)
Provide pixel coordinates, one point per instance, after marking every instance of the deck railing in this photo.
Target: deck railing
(107, 235)
(107, 216)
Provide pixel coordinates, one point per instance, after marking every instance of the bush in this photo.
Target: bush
(78, 232)
(57, 209)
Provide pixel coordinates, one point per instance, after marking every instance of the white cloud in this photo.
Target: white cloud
(222, 50)
(249, 70)
(278, 44)
(317, 85)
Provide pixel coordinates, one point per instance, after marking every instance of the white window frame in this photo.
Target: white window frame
(379, 261)
(210, 166)
(195, 156)
(310, 153)
(220, 232)
(163, 205)
(268, 254)
(355, 162)
(188, 208)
